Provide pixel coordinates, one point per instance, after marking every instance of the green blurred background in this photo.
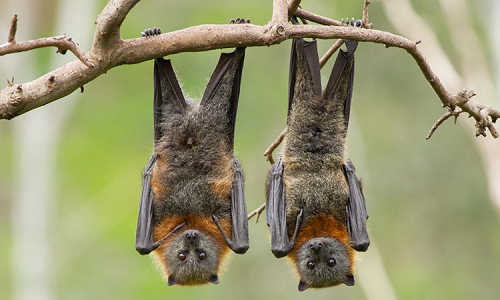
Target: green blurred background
(434, 227)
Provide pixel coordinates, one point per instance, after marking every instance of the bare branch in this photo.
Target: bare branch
(62, 42)
(280, 12)
(324, 59)
(109, 50)
(316, 18)
(13, 29)
(292, 7)
(257, 212)
(107, 31)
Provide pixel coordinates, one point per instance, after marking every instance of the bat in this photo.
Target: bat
(192, 208)
(315, 207)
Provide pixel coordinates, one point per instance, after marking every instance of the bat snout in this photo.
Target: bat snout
(191, 235)
(316, 246)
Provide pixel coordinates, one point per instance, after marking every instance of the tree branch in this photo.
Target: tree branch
(109, 50)
(62, 42)
(330, 52)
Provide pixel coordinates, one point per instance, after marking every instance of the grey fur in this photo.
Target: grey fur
(192, 269)
(323, 275)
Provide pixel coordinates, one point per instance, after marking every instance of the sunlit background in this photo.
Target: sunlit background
(70, 172)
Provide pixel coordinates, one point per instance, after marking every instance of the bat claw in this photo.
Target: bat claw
(151, 32)
(239, 21)
(351, 22)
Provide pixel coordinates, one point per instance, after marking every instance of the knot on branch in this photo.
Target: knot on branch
(461, 98)
(66, 44)
(14, 103)
(488, 116)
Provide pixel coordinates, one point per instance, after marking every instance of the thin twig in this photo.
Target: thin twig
(441, 120)
(257, 212)
(365, 15)
(274, 145)
(330, 52)
(13, 29)
(316, 18)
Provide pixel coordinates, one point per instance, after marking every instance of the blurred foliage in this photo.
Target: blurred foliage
(429, 210)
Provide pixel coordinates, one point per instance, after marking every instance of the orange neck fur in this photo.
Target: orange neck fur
(193, 222)
(323, 226)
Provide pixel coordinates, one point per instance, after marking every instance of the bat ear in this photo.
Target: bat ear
(168, 95)
(303, 286)
(223, 89)
(349, 281)
(172, 280)
(213, 279)
(305, 79)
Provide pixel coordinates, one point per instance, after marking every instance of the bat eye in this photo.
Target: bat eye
(181, 256)
(311, 265)
(331, 262)
(202, 255)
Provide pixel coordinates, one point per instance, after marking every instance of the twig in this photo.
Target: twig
(257, 212)
(441, 120)
(316, 18)
(274, 145)
(365, 15)
(13, 29)
(330, 52)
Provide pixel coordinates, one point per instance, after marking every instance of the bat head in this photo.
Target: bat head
(191, 257)
(323, 262)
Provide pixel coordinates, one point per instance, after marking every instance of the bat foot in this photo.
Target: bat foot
(151, 32)
(358, 23)
(239, 21)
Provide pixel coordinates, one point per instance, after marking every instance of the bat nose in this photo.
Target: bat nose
(191, 235)
(316, 246)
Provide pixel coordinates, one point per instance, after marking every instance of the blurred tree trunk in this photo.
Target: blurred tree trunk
(36, 137)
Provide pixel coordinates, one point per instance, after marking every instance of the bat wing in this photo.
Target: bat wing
(168, 95)
(223, 89)
(240, 242)
(340, 85)
(276, 213)
(356, 210)
(167, 98)
(304, 78)
(144, 243)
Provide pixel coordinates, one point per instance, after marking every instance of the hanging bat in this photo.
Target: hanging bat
(315, 206)
(192, 208)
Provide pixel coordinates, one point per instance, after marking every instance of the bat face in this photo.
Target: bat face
(191, 258)
(323, 262)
